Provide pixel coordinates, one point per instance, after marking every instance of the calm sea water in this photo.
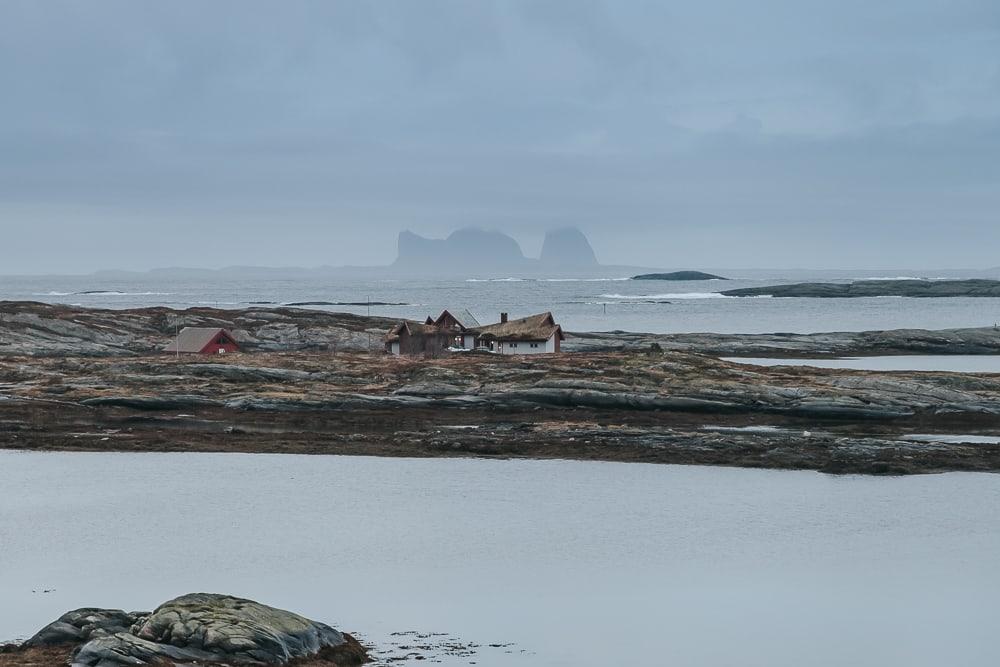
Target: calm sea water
(956, 363)
(576, 563)
(582, 304)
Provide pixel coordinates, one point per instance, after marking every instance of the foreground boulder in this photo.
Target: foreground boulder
(198, 628)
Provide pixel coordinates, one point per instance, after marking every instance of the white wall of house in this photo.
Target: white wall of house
(550, 344)
(527, 346)
(394, 347)
(469, 341)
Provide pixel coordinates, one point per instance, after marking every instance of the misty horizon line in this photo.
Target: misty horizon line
(495, 272)
(875, 271)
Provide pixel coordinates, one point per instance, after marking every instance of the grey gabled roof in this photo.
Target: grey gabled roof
(463, 317)
(194, 339)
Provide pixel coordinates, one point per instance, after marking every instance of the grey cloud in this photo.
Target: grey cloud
(721, 133)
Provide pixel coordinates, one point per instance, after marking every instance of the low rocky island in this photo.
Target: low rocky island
(308, 382)
(678, 275)
(196, 629)
(870, 288)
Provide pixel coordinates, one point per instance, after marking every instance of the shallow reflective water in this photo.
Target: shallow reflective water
(958, 363)
(957, 438)
(577, 563)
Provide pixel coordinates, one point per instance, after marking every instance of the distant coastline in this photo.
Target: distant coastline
(679, 275)
(876, 288)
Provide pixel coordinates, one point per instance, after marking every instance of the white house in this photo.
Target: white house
(535, 334)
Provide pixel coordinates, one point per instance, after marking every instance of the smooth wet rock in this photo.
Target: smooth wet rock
(200, 627)
(81, 625)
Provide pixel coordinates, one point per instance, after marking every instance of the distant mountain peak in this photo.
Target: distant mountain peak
(465, 249)
(475, 250)
(567, 246)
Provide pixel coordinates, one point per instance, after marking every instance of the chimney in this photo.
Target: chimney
(503, 318)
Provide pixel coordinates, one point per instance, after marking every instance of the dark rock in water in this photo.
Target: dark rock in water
(679, 275)
(869, 288)
(201, 627)
(567, 248)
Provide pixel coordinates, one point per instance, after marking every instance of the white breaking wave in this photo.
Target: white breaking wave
(681, 295)
(495, 280)
(582, 280)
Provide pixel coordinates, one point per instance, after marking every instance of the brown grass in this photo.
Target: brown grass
(349, 654)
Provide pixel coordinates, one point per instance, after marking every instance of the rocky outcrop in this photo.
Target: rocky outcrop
(868, 288)
(648, 405)
(567, 248)
(199, 628)
(679, 275)
(37, 329)
(981, 340)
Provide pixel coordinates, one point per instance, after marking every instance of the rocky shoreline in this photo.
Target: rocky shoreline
(32, 329)
(976, 287)
(980, 340)
(195, 629)
(620, 406)
(618, 397)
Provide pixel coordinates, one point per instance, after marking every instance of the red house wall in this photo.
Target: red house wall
(214, 347)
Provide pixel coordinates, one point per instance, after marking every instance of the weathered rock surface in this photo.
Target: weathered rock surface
(982, 340)
(199, 628)
(867, 288)
(37, 329)
(82, 625)
(631, 397)
(624, 405)
(40, 330)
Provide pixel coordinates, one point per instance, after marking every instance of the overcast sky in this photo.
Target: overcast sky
(785, 133)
